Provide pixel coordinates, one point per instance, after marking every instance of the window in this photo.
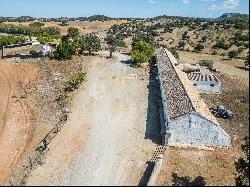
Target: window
(212, 85)
(195, 84)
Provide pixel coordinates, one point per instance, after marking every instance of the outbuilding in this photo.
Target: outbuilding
(207, 83)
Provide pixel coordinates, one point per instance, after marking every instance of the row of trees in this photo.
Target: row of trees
(28, 30)
(8, 40)
(73, 43)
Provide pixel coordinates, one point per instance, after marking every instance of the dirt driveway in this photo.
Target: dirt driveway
(103, 142)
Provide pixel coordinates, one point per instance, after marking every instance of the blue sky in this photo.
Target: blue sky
(121, 8)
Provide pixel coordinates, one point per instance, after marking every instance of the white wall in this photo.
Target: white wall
(196, 130)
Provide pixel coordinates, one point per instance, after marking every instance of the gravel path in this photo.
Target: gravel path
(103, 142)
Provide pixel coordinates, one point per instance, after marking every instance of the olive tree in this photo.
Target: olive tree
(113, 43)
(73, 32)
(66, 49)
(142, 52)
(91, 43)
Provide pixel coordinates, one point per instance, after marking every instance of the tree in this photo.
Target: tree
(73, 32)
(199, 47)
(36, 24)
(145, 37)
(207, 63)
(66, 49)
(242, 165)
(232, 54)
(114, 43)
(142, 52)
(91, 43)
(185, 36)
(181, 45)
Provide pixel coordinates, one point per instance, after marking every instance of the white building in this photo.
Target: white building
(45, 50)
(207, 83)
(35, 42)
(183, 122)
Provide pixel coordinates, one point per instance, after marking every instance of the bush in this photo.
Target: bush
(34, 53)
(221, 45)
(242, 165)
(233, 54)
(174, 52)
(74, 83)
(65, 50)
(199, 47)
(181, 45)
(207, 63)
(36, 24)
(142, 52)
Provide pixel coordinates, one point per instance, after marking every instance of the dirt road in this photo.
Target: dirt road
(103, 142)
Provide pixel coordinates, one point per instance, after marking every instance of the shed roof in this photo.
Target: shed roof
(198, 76)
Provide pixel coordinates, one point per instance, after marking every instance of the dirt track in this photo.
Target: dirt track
(103, 143)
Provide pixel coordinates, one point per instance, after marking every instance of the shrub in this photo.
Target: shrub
(185, 36)
(34, 53)
(233, 54)
(207, 63)
(174, 52)
(36, 24)
(181, 45)
(73, 32)
(75, 82)
(142, 52)
(242, 165)
(65, 50)
(199, 47)
(221, 45)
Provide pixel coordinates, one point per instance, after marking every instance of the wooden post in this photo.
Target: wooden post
(2, 48)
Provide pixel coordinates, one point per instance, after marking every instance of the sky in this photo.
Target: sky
(122, 8)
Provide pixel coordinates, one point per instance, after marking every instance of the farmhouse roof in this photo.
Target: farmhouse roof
(176, 99)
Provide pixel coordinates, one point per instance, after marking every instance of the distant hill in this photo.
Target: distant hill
(233, 15)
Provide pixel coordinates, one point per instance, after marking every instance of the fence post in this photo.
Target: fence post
(2, 52)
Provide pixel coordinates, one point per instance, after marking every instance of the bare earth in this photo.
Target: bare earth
(16, 128)
(103, 141)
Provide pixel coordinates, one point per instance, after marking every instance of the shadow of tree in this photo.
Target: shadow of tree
(186, 181)
(130, 63)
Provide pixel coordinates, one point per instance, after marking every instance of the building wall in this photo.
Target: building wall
(196, 130)
(205, 86)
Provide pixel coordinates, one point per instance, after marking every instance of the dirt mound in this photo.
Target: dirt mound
(15, 115)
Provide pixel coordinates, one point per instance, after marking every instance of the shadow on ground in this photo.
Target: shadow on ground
(130, 63)
(186, 181)
(145, 178)
(153, 126)
(153, 119)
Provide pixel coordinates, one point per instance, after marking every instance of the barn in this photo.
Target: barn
(185, 119)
